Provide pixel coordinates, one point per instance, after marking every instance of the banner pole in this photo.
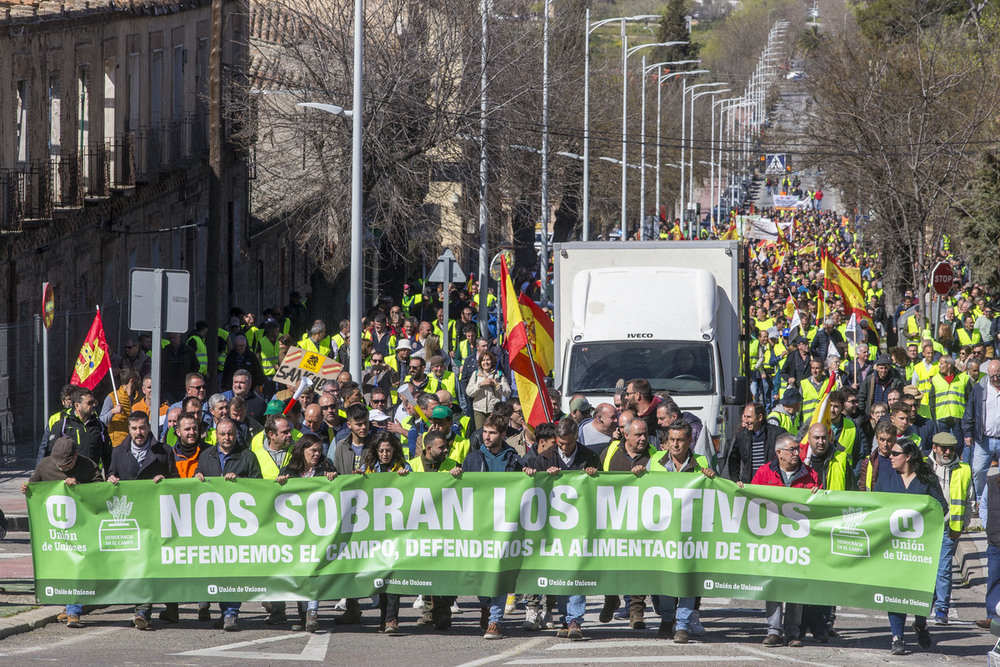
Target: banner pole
(534, 371)
(111, 371)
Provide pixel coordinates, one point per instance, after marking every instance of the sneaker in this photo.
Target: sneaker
(229, 624)
(622, 614)
(940, 618)
(563, 632)
(984, 623)
(574, 631)
(73, 621)
(205, 614)
(484, 617)
(531, 620)
(772, 640)
(898, 648)
(417, 604)
(923, 636)
(276, 617)
(391, 627)
(547, 622)
(312, 623)
(493, 631)
(426, 619)
(636, 622)
(455, 609)
(139, 622)
(610, 607)
(170, 615)
(681, 637)
(342, 605)
(511, 604)
(794, 642)
(695, 628)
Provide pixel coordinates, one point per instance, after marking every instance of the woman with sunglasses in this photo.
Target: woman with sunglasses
(912, 474)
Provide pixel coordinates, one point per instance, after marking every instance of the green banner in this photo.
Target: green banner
(481, 534)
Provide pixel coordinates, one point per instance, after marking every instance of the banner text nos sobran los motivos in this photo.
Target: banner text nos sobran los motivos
(480, 534)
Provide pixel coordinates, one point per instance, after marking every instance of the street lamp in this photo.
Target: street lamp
(626, 52)
(684, 90)
(691, 156)
(659, 98)
(586, 105)
(357, 258)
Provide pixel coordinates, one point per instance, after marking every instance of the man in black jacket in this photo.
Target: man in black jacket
(85, 428)
(140, 457)
(753, 445)
(876, 386)
(229, 461)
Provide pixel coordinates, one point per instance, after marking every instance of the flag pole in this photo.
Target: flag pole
(534, 371)
(111, 372)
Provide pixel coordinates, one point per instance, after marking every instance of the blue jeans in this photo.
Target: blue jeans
(984, 452)
(942, 590)
(992, 581)
(897, 622)
(74, 609)
(675, 609)
(572, 608)
(229, 609)
(496, 606)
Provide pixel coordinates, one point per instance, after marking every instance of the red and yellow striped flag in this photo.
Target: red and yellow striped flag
(541, 332)
(838, 280)
(535, 402)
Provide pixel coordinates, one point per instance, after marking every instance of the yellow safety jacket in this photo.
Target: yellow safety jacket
(848, 436)
(446, 381)
(268, 468)
(836, 472)
(322, 348)
(923, 374)
(613, 448)
(656, 461)
(224, 339)
(269, 356)
(408, 302)
(201, 352)
(958, 492)
(786, 421)
(948, 399)
(811, 395)
(965, 339)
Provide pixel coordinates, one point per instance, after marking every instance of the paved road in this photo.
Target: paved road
(735, 630)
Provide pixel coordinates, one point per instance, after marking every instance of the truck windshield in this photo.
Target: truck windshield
(680, 367)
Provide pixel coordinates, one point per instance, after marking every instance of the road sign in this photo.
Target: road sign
(446, 269)
(171, 312)
(942, 278)
(775, 163)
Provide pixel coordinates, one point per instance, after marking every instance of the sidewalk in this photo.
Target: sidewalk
(12, 502)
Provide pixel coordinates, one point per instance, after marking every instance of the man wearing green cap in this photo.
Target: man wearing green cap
(442, 420)
(274, 409)
(955, 479)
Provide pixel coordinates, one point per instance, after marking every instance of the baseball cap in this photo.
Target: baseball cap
(275, 407)
(377, 416)
(234, 321)
(436, 360)
(580, 404)
(63, 450)
(441, 412)
(791, 397)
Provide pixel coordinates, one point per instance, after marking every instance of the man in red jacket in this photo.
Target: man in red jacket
(787, 469)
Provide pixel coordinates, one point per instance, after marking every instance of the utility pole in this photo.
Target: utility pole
(216, 200)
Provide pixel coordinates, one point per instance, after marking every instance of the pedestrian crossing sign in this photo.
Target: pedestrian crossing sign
(775, 163)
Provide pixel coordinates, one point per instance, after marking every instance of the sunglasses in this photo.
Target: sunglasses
(895, 453)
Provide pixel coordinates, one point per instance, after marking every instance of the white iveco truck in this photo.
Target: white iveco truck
(671, 312)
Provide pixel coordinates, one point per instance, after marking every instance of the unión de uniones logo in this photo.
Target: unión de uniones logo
(907, 524)
(879, 598)
(61, 511)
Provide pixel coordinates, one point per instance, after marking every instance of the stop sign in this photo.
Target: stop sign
(942, 278)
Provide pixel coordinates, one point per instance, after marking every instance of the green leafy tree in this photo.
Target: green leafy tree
(673, 28)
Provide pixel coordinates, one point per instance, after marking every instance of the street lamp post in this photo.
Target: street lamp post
(659, 98)
(684, 90)
(586, 105)
(691, 156)
(626, 52)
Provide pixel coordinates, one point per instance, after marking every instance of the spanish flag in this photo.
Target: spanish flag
(820, 415)
(790, 307)
(94, 361)
(541, 332)
(838, 280)
(535, 402)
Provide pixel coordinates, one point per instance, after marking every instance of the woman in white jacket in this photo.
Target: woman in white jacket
(486, 388)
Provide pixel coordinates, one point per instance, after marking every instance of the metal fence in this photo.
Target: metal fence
(22, 404)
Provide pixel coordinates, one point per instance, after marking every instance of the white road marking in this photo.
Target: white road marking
(15, 555)
(782, 654)
(645, 659)
(619, 643)
(314, 650)
(507, 654)
(84, 636)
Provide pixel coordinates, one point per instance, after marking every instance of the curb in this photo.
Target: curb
(28, 621)
(968, 557)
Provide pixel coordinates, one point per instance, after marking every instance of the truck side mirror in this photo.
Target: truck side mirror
(740, 390)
